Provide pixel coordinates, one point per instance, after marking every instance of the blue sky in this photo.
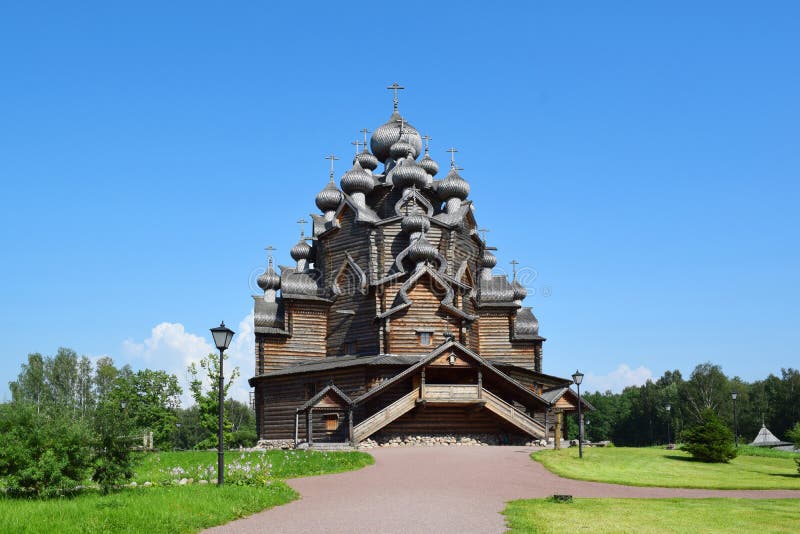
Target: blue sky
(641, 159)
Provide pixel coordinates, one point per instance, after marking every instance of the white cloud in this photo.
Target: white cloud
(171, 348)
(618, 379)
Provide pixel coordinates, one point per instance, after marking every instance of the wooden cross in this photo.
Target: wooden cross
(514, 264)
(452, 151)
(357, 144)
(365, 132)
(483, 231)
(332, 158)
(395, 87)
(302, 223)
(427, 139)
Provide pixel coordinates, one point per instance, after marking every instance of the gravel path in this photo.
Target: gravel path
(438, 490)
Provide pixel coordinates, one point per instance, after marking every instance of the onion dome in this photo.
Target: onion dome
(357, 180)
(414, 223)
(301, 251)
(401, 149)
(407, 174)
(428, 165)
(488, 261)
(269, 279)
(422, 250)
(366, 160)
(519, 290)
(453, 186)
(329, 198)
(388, 134)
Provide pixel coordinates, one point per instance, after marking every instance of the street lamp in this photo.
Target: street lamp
(668, 408)
(734, 395)
(222, 339)
(577, 377)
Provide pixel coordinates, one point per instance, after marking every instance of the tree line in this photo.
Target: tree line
(70, 419)
(639, 415)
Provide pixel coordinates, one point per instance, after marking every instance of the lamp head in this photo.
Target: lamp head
(222, 336)
(734, 394)
(577, 377)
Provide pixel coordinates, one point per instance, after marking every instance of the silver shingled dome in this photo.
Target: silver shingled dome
(422, 250)
(329, 198)
(269, 279)
(401, 149)
(430, 166)
(415, 223)
(366, 160)
(407, 174)
(357, 180)
(453, 186)
(301, 251)
(519, 290)
(488, 260)
(388, 134)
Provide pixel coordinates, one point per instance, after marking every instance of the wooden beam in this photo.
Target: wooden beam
(296, 427)
(350, 426)
(309, 427)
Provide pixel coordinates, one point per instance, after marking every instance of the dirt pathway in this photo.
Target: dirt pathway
(438, 490)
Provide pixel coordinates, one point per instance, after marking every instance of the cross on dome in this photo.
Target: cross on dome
(365, 132)
(514, 264)
(452, 151)
(483, 231)
(427, 139)
(332, 158)
(357, 144)
(270, 249)
(395, 87)
(302, 223)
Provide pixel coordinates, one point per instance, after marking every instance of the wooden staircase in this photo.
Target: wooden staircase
(500, 407)
(407, 402)
(379, 420)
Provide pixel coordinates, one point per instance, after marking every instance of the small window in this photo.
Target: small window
(350, 347)
(331, 422)
(311, 390)
(425, 338)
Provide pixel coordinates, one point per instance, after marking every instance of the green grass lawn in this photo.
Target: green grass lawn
(171, 508)
(654, 515)
(671, 468)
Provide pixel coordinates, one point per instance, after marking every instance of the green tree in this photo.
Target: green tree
(105, 374)
(204, 386)
(710, 440)
(111, 459)
(243, 423)
(30, 385)
(152, 398)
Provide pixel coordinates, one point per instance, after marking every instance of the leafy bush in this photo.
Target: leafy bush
(794, 435)
(43, 454)
(710, 440)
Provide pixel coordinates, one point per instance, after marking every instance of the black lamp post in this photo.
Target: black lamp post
(222, 339)
(734, 395)
(577, 377)
(668, 408)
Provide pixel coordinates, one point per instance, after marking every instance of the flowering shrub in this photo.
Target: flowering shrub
(240, 472)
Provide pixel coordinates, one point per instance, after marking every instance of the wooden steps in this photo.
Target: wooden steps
(382, 418)
(500, 407)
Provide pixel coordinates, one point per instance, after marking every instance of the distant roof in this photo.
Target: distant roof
(338, 362)
(765, 438)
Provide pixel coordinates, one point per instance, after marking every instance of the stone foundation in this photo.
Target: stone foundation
(272, 444)
(446, 440)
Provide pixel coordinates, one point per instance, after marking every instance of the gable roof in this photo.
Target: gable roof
(446, 303)
(438, 352)
(330, 388)
(553, 395)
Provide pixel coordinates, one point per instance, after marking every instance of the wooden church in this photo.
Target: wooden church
(391, 321)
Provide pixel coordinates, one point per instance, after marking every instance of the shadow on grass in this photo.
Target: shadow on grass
(786, 475)
(683, 458)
